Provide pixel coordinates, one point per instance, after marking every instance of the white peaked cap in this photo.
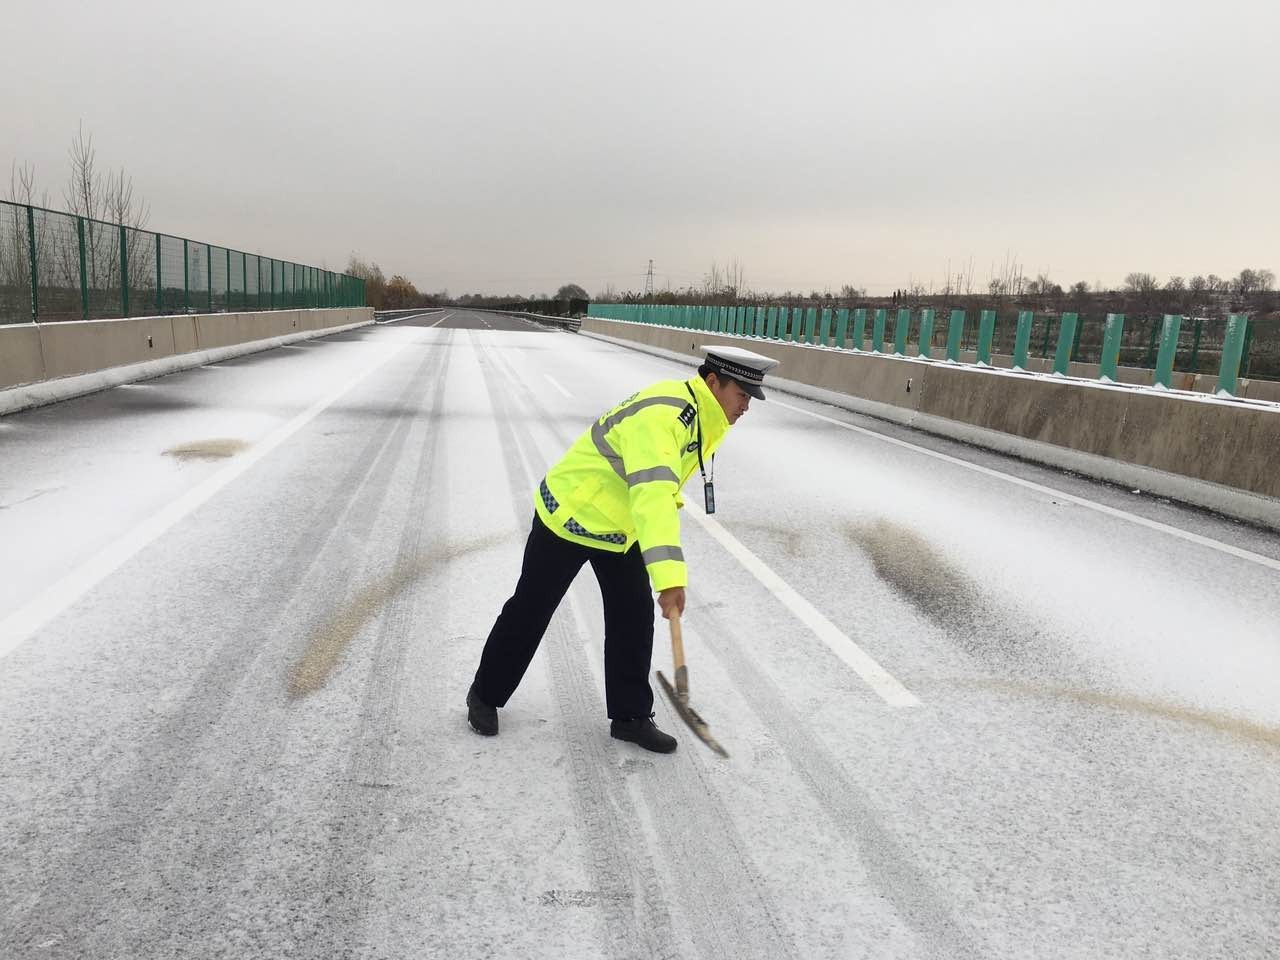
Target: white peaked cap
(744, 366)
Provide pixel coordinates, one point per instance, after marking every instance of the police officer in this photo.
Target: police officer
(611, 502)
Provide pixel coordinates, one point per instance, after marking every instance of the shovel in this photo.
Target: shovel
(679, 695)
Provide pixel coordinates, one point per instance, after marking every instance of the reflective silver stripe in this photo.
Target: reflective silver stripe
(598, 429)
(654, 554)
(650, 475)
(548, 500)
(574, 527)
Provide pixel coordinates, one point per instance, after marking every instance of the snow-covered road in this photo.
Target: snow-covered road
(240, 607)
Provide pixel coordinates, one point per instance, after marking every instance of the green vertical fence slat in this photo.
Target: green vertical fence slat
(824, 333)
(1022, 338)
(771, 323)
(1112, 336)
(924, 347)
(186, 278)
(901, 327)
(1066, 340)
(32, 273)
(877, 331)
(227, 303)
(842, 327)
(124, 272)
(810, 321)
(208, 278)
(1244, 354)
(986, 331)
(84, 273)
(784, 323)
(955, 335)
(859, 336)
(1232, 353)
(1170, 328)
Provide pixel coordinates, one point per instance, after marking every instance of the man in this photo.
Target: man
(611, 501)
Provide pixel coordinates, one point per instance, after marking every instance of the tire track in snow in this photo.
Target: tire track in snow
(150, 840)
(914, 899)
(705, 855)
(359, 820)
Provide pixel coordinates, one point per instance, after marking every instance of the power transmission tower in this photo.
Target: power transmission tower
(648, 280)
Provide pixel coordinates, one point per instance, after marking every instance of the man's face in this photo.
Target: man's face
(732, 398)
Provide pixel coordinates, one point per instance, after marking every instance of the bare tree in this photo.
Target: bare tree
(1141, 283)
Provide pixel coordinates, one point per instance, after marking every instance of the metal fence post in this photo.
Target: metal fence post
(901, 327)
(842, 327)
(955, 334)
(1232, 351)
(159, 287)
(1112, 336)
(1169, 331)
(859, 328)
(124, 272)
(1066, 340)
(84, 275)
(877, 330)
(32, 273)
(986, 331)
(925, 344)
(1022, 338)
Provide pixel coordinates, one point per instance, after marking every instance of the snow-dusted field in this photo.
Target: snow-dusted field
(240, 607)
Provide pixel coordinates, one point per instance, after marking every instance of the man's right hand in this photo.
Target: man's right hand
(671, 600)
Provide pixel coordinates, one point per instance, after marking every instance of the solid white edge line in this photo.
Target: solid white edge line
(863, 664)
(19, 626)
(1186, 535)
(551, 380)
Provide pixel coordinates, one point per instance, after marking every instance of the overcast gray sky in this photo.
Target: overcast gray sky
(512, 147)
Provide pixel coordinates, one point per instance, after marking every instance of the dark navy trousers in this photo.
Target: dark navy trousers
(550, 564)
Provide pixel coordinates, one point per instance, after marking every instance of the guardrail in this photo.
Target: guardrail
(59, 266)
(572, 324)
(868, 330)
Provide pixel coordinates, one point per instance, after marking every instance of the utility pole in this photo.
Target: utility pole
(648, 280)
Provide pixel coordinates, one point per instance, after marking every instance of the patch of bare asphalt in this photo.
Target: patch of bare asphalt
(325, 647)
(1236, 727)
(216, 449)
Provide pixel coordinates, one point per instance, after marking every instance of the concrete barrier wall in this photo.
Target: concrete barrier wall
(32, 353)
(1228, 444)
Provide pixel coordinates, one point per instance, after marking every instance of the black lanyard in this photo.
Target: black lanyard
(708, 486)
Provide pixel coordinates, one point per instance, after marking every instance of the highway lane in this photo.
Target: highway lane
(246, 737)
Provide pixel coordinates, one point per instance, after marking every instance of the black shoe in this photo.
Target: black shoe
(643, 732)
(482, 717)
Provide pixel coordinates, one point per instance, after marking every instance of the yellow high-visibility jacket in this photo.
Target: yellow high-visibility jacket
(620, 481)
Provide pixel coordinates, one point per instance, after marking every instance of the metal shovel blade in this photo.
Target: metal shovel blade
(690, 716)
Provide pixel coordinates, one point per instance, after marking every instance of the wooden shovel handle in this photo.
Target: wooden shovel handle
(677, 642)
(677, 658)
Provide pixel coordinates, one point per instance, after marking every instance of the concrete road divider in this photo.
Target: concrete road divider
(45, 362)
